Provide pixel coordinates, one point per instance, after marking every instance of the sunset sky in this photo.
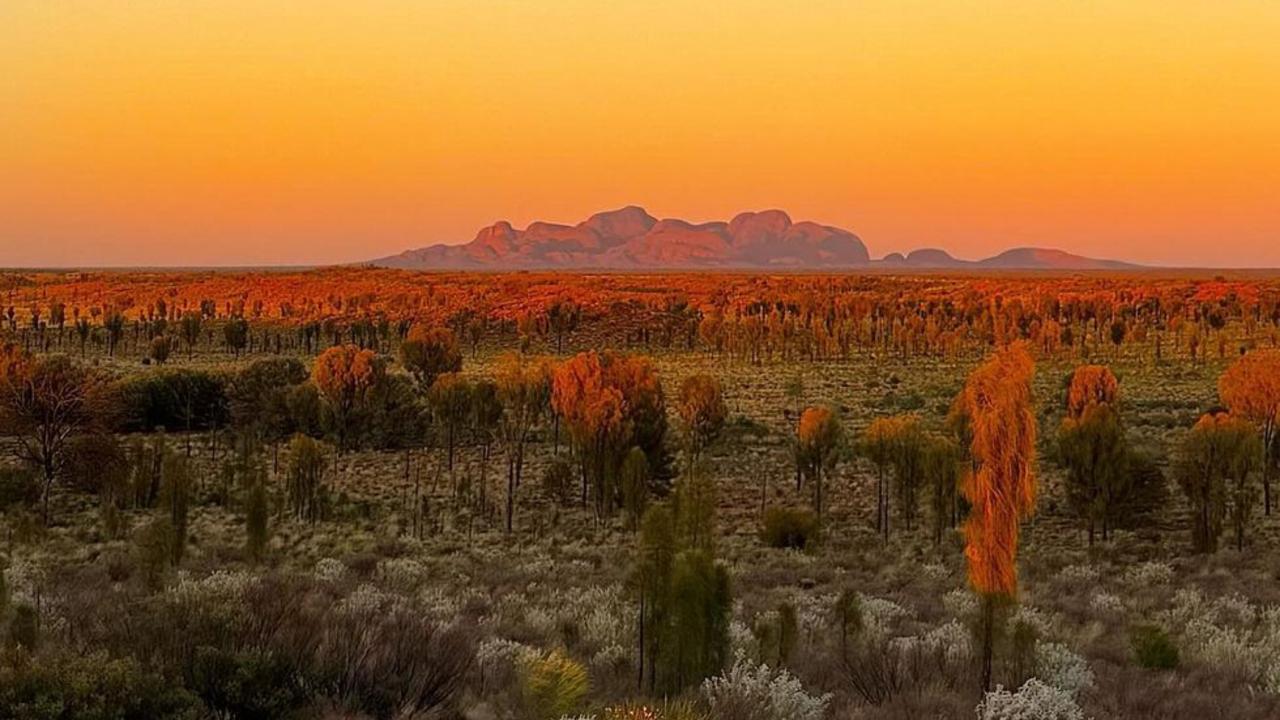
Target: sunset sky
(238, 132)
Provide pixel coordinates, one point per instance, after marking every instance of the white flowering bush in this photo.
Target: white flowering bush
(1079, 575)
(934, 571)
(23, 578)
(217, 597)
(960, 603)
(951, 640)
(1035, 700)
(1104, 603)
(404, 574)
(1148, 574)
(1032, 618)
(1059, 667)
(742, 642)
(330, 570)
(880, 616)
(1229, 632)
(813, 613)
(758, 692)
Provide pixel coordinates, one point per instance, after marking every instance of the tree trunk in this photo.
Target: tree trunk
(988, 639)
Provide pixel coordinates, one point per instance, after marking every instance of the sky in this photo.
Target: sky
(245, 132)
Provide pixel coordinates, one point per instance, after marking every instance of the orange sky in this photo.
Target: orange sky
(264, 131)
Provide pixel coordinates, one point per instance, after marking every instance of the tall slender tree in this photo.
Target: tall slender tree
(1251, 389)
(524, 391)
(1001, 489)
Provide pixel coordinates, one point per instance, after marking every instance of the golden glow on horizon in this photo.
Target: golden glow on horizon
(258, 131)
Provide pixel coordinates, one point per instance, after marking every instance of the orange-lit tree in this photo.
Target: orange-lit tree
(1001, 489)
(450, 401)
(346, 378)
(1213, 468)
(701, 408)
(818, 439)
(1091, 444)
(895, 443)
(524, 390)
(610, 402)
(1251, 388)
(429, 352)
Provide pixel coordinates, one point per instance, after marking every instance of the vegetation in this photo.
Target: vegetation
(363, 493)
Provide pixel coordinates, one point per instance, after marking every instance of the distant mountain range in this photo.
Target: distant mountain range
(632, 239)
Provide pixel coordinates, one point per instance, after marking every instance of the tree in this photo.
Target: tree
(429, 352)
(684, 606)
(818, 439)
(235, 332)
(895, 443)
(1250, 387)
(305, 485)
(1213, 468)
(1001, 489)
(701, 408)
(113, 323)
(347, 379)
(258, 398)
(524, 391)
(450, 402)
(175, 496)
(159, 350)
(609, 403)
(1092, 446)
(941, 465)
(562, 317)
(634, 479)
(484, 414)
(44, 403)
(257, 516)
(189, 328)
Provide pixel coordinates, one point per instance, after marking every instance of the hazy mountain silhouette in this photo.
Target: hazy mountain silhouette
(631, 239)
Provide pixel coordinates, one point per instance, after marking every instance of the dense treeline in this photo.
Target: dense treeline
(802, 318)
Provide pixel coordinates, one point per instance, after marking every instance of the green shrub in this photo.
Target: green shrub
(19, 486)
(74, 687)
(553, 686)
(1154, 649)
(182, 399)
(790, 528)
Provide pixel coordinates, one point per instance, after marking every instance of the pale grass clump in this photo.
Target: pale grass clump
(813, 612)
(757, 692)
(951, 641)
(24, 578)
(1148, 574)
(1035, 700)
(1061, 668)
(960, 603)
(1230, 633)
(330, 570)
(742, 642)
(219, 595)
(1105, 603)
(403, 574)
(1079, 575)
(1033, 618)
(880, 616)
(934, 571)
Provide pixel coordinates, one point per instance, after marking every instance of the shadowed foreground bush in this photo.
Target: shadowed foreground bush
(790, 528)
(1153, 649)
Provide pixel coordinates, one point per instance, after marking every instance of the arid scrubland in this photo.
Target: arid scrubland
(705, 504)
